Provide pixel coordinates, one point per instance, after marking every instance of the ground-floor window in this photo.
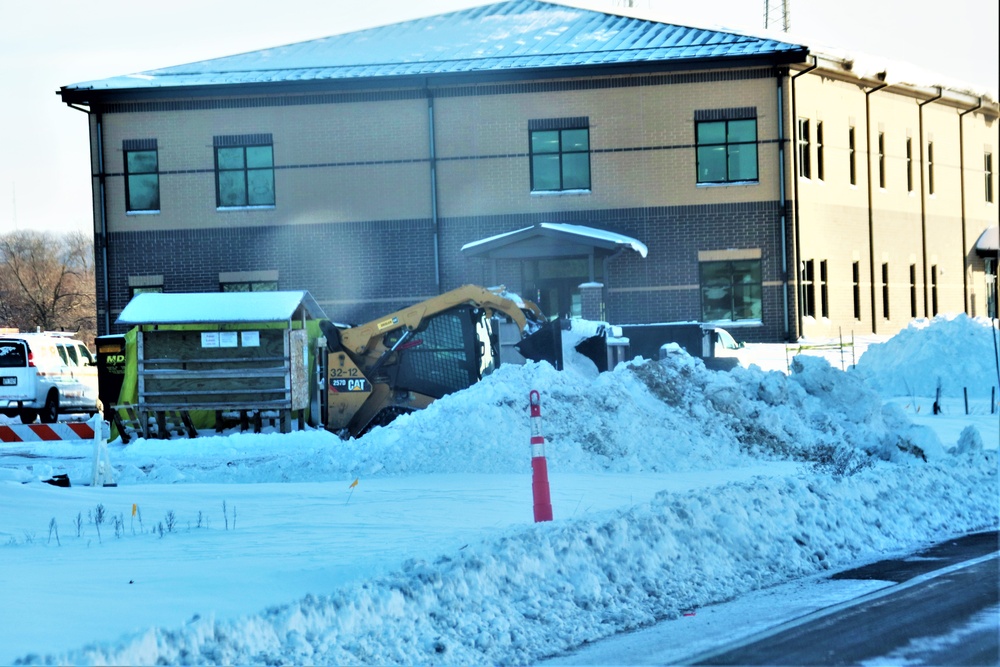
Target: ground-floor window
(249, 286)
(731, 290)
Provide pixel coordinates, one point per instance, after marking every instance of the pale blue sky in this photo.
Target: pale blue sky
(46, 44)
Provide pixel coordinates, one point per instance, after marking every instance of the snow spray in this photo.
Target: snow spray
(539, 467)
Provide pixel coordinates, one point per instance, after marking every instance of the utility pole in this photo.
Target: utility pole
(776, 11)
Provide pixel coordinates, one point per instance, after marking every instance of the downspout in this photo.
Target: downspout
(782, 200)
(923, 191)
(432, 153)
(101, 235)
(961, 190)
(871, 216)
(795, 188)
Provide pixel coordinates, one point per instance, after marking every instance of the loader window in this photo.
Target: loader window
(441, 357)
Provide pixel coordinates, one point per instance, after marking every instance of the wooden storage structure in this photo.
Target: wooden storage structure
(240, 352)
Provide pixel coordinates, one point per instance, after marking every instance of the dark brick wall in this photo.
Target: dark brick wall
(359, 271)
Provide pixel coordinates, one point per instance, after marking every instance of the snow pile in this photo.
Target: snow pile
(537, 591)
(950, 351)
(667, 416)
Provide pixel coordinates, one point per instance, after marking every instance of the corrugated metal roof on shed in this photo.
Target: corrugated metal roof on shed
(219, 307)
(514, 35)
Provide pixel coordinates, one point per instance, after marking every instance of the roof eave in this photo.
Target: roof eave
(91, 96)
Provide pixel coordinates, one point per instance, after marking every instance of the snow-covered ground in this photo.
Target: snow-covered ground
(673, 488)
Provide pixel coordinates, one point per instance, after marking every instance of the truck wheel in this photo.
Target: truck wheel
(28, 416)
(50, 413)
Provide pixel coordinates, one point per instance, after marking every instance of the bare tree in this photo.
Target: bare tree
(47, 282)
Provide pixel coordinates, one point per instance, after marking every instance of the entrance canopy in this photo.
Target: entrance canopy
(553, 240)
(989, 242)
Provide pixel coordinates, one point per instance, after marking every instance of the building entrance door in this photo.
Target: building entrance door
(554, 284)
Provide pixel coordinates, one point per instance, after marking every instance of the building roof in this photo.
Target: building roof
(517, 36)
(219, 308)
(552, 239)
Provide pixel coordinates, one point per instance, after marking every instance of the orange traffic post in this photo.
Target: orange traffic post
(539, 467)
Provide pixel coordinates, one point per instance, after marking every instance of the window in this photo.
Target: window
(726, 150)
(805, 168)
(885, 290)
(819, 150)
(856, 284)
(988, 172)
(731, 290)
(808, 283)
(142, 178)
(158, 289)
(244, 170)
(913, 290)
(930, 167)
(250, 286)
(824, 291)
(881, 160)
(934, 290)
(852, 155)
(560, 154)
(909, 164)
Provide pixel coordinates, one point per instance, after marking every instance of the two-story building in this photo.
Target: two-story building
(603, 165)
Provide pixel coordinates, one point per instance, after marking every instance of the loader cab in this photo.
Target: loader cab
(449, 352)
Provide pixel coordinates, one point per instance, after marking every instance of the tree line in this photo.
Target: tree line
(47, 283)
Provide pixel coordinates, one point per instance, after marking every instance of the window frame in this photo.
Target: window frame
(132, 147)
(251, 286)
(881, 161)
(853, 155)
(245, 143)
(909, 164)
(820, 166)
(729, 145)
(804, 149)
(560, 126)
(930, 167)
(754, 286)
(988, 174)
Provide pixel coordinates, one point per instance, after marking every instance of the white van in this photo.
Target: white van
(45, 375)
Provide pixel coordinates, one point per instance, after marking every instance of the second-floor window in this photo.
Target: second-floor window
(244, 170)
(727, 150)
(852, 156)
(560, 154)
(805, 166)
(142, 177)
(988, 172)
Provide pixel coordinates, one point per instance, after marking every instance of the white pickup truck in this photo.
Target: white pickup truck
(45, 375)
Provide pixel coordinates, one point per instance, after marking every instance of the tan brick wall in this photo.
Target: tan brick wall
(322, 156)
(620, 118)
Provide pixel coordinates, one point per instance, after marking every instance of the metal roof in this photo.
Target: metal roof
(219, 307)
(549, 239)
(513, 36)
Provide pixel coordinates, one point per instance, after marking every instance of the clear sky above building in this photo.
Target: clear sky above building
(46, 44)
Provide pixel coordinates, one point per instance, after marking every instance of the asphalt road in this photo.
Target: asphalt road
(943, 610)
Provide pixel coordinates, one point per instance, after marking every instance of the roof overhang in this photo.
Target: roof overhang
(988, 243)
(87, 96)
(553, 240)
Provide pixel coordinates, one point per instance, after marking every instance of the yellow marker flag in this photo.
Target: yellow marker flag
(354, 483)
(134, 508)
